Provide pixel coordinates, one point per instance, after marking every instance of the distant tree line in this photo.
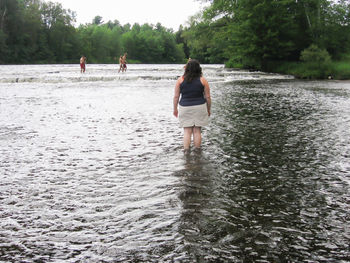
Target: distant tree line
(34, 31)
(253, 34)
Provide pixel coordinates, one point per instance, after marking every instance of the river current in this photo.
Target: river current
(92, 168)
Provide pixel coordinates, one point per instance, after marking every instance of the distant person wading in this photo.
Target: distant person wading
(82, 64)
(192, 103)
(122, 63)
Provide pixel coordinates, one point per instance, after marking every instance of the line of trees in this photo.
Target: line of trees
(260, 34)
(240, 33)
(34, 31)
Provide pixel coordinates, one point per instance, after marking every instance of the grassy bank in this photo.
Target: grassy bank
(312, 68)
(339, 70)
(335, 70)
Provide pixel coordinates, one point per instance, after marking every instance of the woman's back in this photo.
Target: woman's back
(192, 93)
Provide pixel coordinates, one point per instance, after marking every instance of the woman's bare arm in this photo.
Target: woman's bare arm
(207, 94)
(176, 97)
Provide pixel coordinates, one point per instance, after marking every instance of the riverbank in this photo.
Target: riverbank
(338, 70)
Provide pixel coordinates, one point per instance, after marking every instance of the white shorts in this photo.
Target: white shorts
(190, 116)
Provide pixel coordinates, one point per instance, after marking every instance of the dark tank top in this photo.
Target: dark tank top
(192, 93)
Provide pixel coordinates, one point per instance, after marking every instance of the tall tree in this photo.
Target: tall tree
(11, 27)
(98, 20)
(60, 31)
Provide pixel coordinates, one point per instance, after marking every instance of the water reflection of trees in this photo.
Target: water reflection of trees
(202, 213)
(269, 167)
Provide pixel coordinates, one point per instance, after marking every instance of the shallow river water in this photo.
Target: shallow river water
(92, 168)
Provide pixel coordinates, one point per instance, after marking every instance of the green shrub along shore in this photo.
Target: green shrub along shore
(314, 64)
(339, 70)
(308, 39)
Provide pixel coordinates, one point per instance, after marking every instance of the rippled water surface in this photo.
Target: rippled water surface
(92, 168)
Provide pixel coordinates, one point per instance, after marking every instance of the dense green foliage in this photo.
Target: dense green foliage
(34, 31)
(286, 36)
(263, 34)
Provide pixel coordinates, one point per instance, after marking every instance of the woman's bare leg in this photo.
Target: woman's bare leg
(197, 136)
(187, 137)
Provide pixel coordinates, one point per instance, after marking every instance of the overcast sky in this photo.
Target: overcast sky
(170, 13)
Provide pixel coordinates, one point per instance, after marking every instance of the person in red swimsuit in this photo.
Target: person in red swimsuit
(124, 62)
(82, 64)
(121, 64)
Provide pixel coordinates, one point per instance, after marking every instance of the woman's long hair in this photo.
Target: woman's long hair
(192, 70)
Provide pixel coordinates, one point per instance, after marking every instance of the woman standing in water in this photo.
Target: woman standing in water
(194, 105)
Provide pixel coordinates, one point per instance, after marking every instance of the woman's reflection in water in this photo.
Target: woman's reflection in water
(198, 201)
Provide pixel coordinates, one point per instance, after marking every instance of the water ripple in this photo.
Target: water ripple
(93, 171)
